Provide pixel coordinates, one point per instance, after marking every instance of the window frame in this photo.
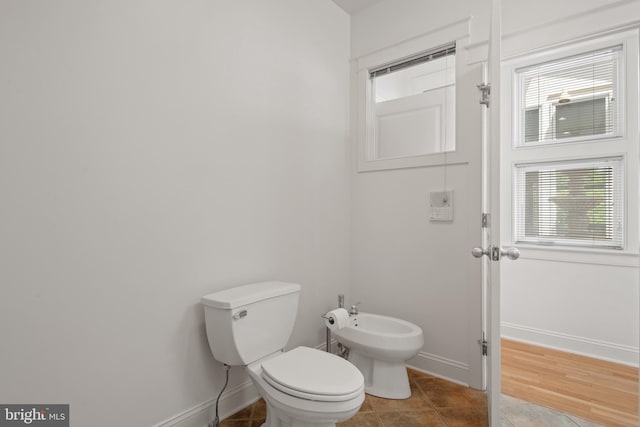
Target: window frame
(457, 33)
(518, 135)
(626, 146)
(617, 180)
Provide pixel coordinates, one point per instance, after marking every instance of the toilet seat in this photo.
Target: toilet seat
(313, 375)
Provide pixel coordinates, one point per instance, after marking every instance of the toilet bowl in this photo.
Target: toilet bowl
(380, 346)
(307, 387)
(304, 387)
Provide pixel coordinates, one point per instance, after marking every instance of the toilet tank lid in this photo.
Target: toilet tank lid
(247, 294)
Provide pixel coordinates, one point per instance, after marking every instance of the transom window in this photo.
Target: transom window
(413, 106)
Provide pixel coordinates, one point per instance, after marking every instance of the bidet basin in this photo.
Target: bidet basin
(379, 346)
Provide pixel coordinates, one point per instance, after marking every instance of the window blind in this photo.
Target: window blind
(578, 203)
(430, 55)
(576, 97)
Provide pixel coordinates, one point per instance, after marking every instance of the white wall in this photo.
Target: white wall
(152, 152)
(155, 151)
(405, 265)
(390, 22)
(589, 309)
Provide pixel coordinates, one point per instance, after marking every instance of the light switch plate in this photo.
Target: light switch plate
(441, 205)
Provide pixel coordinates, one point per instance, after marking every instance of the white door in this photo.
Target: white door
(492, 201)
(493, 230)
(491, 252)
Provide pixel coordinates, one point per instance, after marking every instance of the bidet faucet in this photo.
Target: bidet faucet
(354, 309)
(340, 300)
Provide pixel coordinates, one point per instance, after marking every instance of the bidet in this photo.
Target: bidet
(379, 346)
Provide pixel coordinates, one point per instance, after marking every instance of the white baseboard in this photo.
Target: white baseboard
(201, 415)
(597, 349)
(438, 366)
(231, 401)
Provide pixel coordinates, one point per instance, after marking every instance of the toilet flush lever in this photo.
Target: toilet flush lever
(239, 315)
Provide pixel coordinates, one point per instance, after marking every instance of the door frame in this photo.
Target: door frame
(492, 202)
(493, 193)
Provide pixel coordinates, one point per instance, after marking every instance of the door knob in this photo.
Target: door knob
(495, 253)
(478, 252)
(511, 253)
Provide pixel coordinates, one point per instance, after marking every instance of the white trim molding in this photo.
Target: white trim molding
(580, 256)
(234, 399)
(611, 352)
(613, 17)
(441, 367)
(435, 37)
(231, 401)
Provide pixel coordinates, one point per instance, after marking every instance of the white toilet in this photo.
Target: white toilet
(304, 387)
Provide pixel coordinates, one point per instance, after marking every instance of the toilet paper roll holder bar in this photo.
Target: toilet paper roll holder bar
(353, 311)
(326, 317)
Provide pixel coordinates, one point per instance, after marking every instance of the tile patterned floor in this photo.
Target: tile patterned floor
(434, 402)
(251, 416)
(518, 413)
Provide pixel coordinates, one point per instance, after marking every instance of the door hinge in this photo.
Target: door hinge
(485, 220)
(485, 93)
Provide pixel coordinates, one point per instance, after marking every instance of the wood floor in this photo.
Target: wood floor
(601, 391)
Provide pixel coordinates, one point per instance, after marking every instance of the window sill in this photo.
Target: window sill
(408, 162)
(611, 257)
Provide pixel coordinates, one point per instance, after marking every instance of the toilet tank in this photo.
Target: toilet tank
(249, 322)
